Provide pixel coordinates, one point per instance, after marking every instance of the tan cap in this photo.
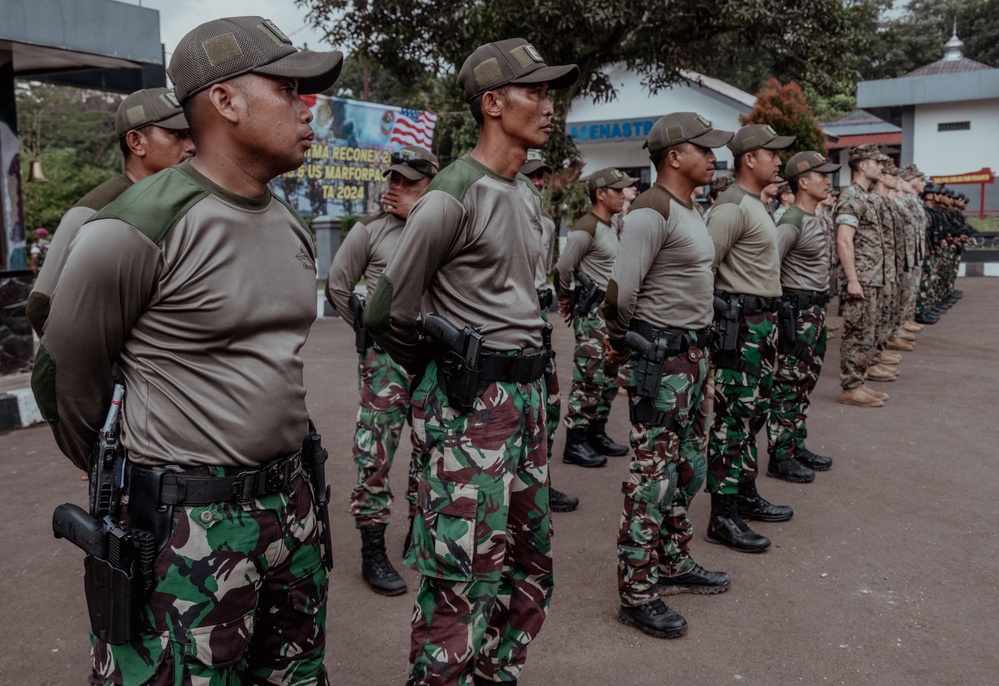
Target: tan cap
(157, 106)
(890, 166)
(535, 161)
(911, 171)
(513, 60)
(804, 162)
(864, 152)
(414, 163)
(222, 49)
(609, 178)
(757, 136)
(684, 127)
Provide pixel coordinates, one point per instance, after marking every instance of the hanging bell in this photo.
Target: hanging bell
(37, 174)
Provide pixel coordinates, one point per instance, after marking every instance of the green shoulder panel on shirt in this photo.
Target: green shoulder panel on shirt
(794, 216)
(733, 194)
(155, 204)
(530, 184)
(456, 178)
(105, 193)
(364, 221)
(588, 223)
(655, 198)
(294, 213)
(376, 314)
(43, 384)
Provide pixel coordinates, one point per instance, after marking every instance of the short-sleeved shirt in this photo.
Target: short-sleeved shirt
(856, 208)
(745, 239)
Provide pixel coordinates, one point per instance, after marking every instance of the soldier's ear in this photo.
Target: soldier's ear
(136, 142)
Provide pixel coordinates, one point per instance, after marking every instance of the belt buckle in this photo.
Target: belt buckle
(244, 487)
(278, 476)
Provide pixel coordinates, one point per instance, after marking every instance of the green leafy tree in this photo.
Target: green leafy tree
(785, 109)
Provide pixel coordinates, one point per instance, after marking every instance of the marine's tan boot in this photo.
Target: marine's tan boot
(905, 335)
(898, 344)
(874, 394)
(881, 373)
(833, 326)
(912, 327)
(890, 357)
(857, 396)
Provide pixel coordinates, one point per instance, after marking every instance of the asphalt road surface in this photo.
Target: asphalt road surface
(888, 573)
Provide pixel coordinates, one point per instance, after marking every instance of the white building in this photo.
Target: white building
(611, 134)
(949, 115)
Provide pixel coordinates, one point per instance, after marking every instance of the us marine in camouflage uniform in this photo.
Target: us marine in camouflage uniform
(482, 540)
(860, 244)
(590, 250)
(661, 290)
(804, 277)
(893, 221)
(383, 383)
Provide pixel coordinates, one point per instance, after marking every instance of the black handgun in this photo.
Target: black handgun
(460, 364)
(107, 464)
(314, 459)
(362, 341)
(787, 326)
(728, 314)
(583, 295)
(649, 369)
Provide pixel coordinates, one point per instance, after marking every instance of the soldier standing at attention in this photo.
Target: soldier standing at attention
(535, 169)
(661, 290)
(747, 288)
(383, 383)
(482, 541)
(153, 135)
(860, 245)
(200, 286)
(589, 255)
(804, 244)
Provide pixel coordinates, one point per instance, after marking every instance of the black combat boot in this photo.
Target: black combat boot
(654, 618)
(927, 317)
(579, 452)
(562, 502)
(727, 528)
(376, 569)
(818, 463)
(754, 506)
(482, 681)
(598, 439)
(697, 580)
(791, 469)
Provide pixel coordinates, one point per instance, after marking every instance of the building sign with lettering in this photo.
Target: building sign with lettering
(610, 131)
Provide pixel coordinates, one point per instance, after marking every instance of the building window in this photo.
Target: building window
(954, 126)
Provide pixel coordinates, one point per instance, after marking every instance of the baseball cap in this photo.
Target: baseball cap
(804, 162)
(157, 106)
(534, 162)
(414, 163)
(683, 127)
(223, 49)
(890, 167)
(864, 152)
(513, 60)
(42, 233)
(757, 136)
(609, 178)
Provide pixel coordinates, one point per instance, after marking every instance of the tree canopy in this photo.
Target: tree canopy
(784, 107)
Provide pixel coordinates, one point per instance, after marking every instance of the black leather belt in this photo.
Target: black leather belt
(521, 368)
(751, 304)
(700, 339)
(198, 486)
(803, 299)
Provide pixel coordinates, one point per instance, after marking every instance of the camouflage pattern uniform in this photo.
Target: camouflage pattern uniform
(262, 621)
(858, 345)
(593, 380)
(891, 223)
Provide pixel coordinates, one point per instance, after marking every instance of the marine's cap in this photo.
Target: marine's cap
(157, 106)
(609, 178)
(513, 60)
(225, 48)
(414, 163)
(911, 171)
(757, 136)
(535, 161)
(864, 152)
(41, 233)
(684, 127)
(890, 167)
(804, 162)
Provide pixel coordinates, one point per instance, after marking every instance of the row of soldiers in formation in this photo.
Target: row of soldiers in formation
(683, 314)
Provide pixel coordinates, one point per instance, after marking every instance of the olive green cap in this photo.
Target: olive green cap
(609, 178)
(513, 60)
(804, 162)
(223, 49)
(684, 127)
(756, 136)
(535, 161)
(157, 106)
(414, 163)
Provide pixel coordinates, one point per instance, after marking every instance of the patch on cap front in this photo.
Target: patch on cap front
(170, 98)
(769, 129)
(221, 49)
(532, 52)
(704, 122)
(273, 32)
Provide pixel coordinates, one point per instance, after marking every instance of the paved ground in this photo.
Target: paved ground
(886, 575)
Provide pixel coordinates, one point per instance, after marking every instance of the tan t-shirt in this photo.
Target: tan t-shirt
(204, 299)
(804, 251)
(663, 270)
(745, 238)
(591, 248)
(365, 252)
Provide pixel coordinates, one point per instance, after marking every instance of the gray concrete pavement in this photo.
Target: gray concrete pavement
(886, 575)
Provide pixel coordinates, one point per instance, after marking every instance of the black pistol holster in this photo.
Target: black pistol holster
(730, 310)
(788, 310)
(585, 296)
(362, 339)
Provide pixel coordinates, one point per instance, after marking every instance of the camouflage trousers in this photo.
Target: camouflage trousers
(239, 598)
(913, 278)
(794, 380)
(741, 405)
(384, 406)
(667, 469)
(887, 303)
(593, 381)
(926, 297)
(482, 539)
(952, 263)
(858, 344)
(553, 406)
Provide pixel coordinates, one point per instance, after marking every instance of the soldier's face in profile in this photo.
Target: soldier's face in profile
(527, 113)
(696, 162)
(165, 147)
(538, 179)
(275, 122)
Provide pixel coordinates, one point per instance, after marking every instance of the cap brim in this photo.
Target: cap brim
(315, 71)
(715, 138)
(556, 77)
(779, 143)
(405, 170)
(177, 122)
(623, 183)
(534, 165)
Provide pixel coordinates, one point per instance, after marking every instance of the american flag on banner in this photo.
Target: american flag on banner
(413, 127)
